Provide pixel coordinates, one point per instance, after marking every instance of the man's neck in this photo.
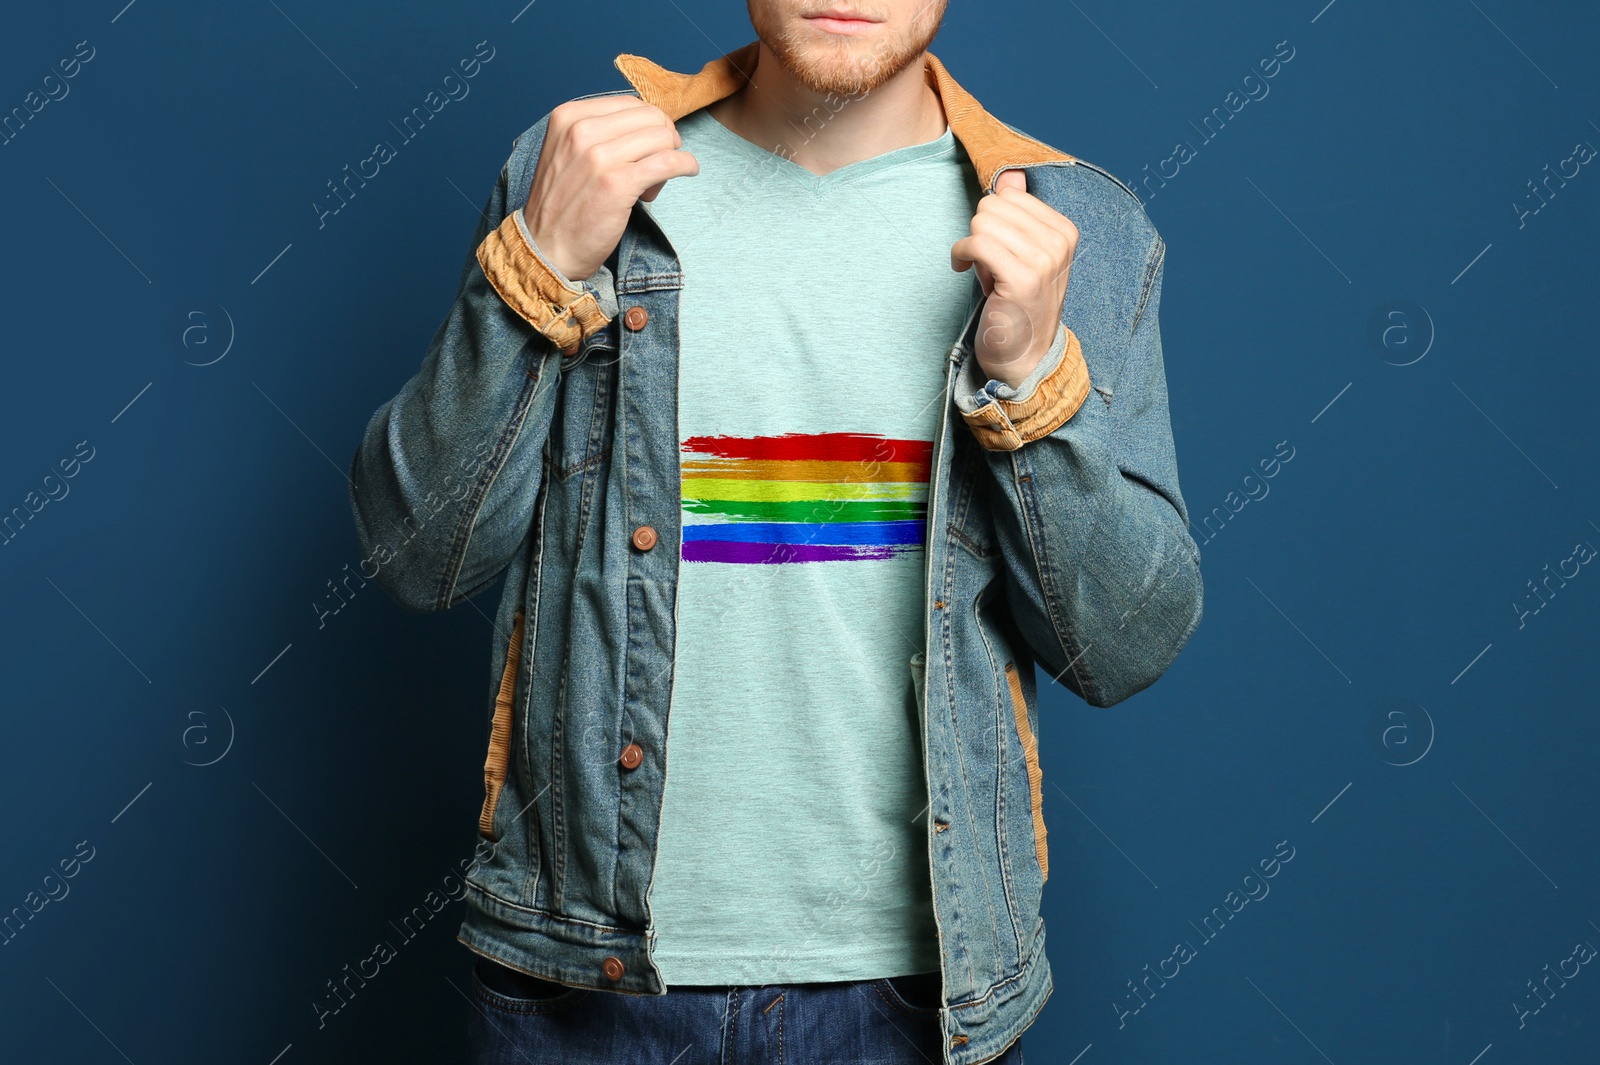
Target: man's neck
(823, 133)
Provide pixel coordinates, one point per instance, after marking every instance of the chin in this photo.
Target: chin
(844, 69)
(844, 64)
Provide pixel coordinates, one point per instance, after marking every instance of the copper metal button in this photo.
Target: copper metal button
(632, 755)
(612, 967)
(635, 318)
(644, 537)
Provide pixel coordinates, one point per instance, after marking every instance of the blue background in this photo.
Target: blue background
(1362, 686)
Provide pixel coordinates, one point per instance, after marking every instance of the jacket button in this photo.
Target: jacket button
(644, 537)
(612, 967)
(632, 755)
(635, 318)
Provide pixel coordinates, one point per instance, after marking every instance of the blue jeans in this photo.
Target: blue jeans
(522, 1020)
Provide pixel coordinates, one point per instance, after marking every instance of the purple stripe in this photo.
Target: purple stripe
(738, 551)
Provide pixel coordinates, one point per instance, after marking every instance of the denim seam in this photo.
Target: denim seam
(636, 283)
(1158, 253)
(1025, 966)
(558, 835)
(952, 940)
(966, 780)
(971, 545)
(532, 830)
(1022, 477)
(474, 503)
(548, 915)
(1002, 842)
(488, 996)
(1103, 172)
(900, 1005)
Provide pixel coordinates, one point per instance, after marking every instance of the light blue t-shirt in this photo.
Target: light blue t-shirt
(816, 314)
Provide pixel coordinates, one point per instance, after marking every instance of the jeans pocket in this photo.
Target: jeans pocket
(504, 988)
(918, 994)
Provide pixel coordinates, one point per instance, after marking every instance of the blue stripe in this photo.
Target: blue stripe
(822, 532)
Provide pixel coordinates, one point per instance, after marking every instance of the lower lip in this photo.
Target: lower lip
(846, 26)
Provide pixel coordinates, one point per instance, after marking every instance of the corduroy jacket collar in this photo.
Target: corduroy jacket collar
(989, 143)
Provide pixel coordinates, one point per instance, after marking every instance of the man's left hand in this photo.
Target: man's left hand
(1023, 250)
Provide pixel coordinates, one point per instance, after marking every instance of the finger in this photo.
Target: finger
(986, 251)
(657, 169)
(984, 275)
(564, 115)
(1029, 212)
(633, 146)
(961, 256)
(590, 130)
(1036, 209)
(1049, 251)
(1011, 179)
(1024, 242)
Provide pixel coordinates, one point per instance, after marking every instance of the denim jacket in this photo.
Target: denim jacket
(1057, 539)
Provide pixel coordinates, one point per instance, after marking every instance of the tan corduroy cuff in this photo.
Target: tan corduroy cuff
(531, 288)
(1007, 424)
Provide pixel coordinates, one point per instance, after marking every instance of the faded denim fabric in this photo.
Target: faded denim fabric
(1070, 553)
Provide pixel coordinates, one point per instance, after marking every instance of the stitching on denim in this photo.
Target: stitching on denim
(1002, 841)
(900, 1005)
(962, 505)
(548, 915)
(558, 835)
(972, 545)
(1023, 970)
(952, 940)
(488, 996)
(648, 283)
(1152, 266)
(1102, 171)
(583, 464)
(730, 1014)
(532, 831)
(1024, 485)
(474, 503)
(966, 780)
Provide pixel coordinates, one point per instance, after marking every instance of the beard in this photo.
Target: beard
(846, 66)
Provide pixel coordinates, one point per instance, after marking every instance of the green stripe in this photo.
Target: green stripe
(810, 510)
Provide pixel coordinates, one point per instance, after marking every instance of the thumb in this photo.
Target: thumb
(1013, 178)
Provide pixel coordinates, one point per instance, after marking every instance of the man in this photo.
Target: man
(766, 390)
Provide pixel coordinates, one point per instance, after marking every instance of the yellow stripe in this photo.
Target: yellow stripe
(800, 491)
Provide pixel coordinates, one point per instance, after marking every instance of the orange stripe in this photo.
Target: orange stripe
(806, 470)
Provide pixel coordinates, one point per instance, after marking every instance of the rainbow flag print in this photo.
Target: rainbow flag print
(803, 497)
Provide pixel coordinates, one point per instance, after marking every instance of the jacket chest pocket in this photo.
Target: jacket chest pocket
(578, 431)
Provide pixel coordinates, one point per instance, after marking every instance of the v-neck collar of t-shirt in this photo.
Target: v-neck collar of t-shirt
(818, 184)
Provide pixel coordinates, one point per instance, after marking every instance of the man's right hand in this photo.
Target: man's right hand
(600, 156)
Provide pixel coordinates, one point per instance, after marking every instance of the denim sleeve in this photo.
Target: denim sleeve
(967, 389)
(444, 480)
(600, 283)
(1101, 573)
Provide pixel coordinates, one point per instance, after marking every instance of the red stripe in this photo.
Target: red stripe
(844, 447)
